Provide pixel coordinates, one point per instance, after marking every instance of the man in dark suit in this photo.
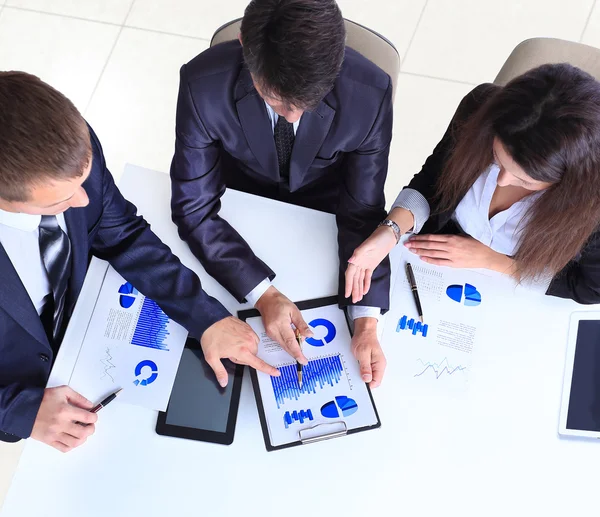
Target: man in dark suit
(287, 112)
(58, 206)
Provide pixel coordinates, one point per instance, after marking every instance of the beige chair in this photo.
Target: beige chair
(373, 46)
(539, 51)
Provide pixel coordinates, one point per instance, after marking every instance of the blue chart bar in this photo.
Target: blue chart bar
(317, 373)
(295, 416)
(412, 325)
(151, 329)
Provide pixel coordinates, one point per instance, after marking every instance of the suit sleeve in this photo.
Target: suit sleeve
(19, 406)
(362, 203)
(126, 241)
(580, 279)
(197, 187)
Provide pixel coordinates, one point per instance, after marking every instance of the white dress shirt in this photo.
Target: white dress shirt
(19, 236)
(354, 311)
(503, 231)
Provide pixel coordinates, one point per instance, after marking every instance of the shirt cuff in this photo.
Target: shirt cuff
(413, 201)
(358, 311)
(253, 296)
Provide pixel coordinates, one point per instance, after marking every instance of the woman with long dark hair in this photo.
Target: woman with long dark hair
(514, 186)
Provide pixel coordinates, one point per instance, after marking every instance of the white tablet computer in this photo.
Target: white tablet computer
(580, 408)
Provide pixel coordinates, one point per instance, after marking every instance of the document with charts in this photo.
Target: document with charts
(437, 355)
(128, 342)
(332, 398)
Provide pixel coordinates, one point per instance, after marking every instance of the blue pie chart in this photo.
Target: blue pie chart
(138, 372)
(331, 332)
(472, 297)
(346, 405)
(128, 295)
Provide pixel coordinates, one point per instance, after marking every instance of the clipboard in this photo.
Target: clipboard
(319, 431)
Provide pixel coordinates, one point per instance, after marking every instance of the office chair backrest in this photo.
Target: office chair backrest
(534, 52)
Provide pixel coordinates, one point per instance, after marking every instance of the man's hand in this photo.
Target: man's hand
(235, 340)
(278, 314)
(365, 259)
(55, 423)
(367, 350)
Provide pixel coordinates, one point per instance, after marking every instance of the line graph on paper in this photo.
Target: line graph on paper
(438, 370)
(107, 366)
(320, 373)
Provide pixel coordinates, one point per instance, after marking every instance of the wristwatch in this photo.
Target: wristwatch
(395, 228)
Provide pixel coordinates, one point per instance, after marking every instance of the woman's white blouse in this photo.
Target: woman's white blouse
(501, 232)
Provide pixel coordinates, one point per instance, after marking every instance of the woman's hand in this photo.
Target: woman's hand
(457, 251)
(365, 259)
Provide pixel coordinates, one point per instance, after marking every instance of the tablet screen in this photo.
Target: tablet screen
(197, 400)
(584, 400)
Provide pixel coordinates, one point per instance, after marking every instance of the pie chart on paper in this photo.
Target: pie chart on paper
(467, 294)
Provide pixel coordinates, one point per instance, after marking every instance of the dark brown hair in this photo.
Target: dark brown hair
(548, 121)
(294, 49)
(43, 137)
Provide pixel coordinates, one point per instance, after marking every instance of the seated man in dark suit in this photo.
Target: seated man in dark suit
(58, 206)
(287, 112)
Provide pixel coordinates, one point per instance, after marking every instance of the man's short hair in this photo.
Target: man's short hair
(43, 137)
(294, 49)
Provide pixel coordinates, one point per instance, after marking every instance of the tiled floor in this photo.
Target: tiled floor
(118, 60)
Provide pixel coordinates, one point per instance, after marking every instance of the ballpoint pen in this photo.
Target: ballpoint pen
(299, 365)
(102, 404)
(106, 401)
(413, 287)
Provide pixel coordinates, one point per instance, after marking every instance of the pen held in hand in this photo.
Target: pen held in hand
(106, 401)
(413, 286)
(299, 365)
(102, 404)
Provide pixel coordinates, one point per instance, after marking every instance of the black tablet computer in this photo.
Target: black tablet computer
(199, 409)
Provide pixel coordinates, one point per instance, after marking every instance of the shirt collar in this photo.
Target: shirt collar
(24, 222)
(274, 117)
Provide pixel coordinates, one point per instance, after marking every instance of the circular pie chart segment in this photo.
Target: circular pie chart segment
(471, 298)
(330, 336)
(128, 295)
(150, 378)
(342, 404)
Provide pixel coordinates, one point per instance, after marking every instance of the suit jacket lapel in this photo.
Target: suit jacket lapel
(256, 125)
(314, 127)
(15, 300)
(78, 236)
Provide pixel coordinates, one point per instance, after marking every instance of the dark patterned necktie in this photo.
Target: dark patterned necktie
(55, 250)
(284, 142)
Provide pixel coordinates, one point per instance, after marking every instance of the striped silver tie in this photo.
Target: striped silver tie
(55, 249)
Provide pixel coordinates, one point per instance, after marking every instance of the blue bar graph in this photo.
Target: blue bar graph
(295, 416)
(151, 328)
(318, 373)
(412, 325)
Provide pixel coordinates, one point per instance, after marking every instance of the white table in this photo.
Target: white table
(495, 452)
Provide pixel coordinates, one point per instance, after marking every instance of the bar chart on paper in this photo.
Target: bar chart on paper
(318, 374)
(128, 342)
(297, 416)
(151, 328)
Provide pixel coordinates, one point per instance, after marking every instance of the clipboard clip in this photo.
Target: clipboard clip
(322, 432)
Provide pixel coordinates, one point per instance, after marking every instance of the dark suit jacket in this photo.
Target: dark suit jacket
(225, 139)
(579, 280)
(109, 229)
